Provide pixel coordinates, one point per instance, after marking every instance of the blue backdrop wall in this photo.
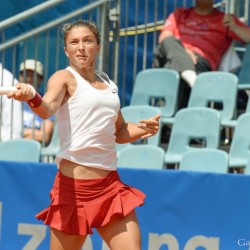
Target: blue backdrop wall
(182, 211)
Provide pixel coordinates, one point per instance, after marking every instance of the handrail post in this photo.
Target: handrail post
(104, 32)
(49, 25)
(30, 12)
(115, 17)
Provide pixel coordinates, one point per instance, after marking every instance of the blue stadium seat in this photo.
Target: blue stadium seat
(209, 160)
(142, 156)
(22, 150)
(192, 128)
(157, 87)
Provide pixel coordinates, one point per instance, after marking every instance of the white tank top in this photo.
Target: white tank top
(86, 124)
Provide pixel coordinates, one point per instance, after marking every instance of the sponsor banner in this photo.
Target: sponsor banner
(182, 211)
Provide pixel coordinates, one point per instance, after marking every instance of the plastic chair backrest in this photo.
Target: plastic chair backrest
(135, 114)
(191, 126)
(215, 87)
(157, 87)
(142, 112)
(244, 73)
(248, 105)
(205, 160)
(21, 150)
(239, 151)
(142, 156)
(232, 123)
(247, 168)
(54, 146)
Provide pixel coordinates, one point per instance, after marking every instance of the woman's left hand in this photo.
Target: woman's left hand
(151, 126)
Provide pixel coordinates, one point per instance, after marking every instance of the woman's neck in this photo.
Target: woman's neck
(87, 73)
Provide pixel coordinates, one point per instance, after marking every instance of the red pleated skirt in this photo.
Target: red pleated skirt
(79, 205)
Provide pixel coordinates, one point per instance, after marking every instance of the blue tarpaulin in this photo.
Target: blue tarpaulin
(182, 210)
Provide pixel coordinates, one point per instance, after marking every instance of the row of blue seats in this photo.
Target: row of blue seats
(152, 157)
(193, 127)
(161, 87)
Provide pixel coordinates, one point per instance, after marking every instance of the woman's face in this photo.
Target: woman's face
(81, 47)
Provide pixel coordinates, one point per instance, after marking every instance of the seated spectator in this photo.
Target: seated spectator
(34, 127)
(193, 40)
(11, 111)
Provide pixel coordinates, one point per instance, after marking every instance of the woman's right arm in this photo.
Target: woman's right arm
(57, 91)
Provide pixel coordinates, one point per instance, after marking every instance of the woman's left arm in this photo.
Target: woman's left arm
(127, 132)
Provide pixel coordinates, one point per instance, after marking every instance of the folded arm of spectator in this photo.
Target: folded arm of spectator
(240, 31)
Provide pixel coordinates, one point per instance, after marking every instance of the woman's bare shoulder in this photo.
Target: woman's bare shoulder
(63, 73)
(61, 77)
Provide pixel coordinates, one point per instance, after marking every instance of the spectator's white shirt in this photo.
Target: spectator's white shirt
(11, 110)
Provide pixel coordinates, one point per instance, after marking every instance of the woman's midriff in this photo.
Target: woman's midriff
(77, 171)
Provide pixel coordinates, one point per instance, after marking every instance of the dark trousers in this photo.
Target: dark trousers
(171, 54)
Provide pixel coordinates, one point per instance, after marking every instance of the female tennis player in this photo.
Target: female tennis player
(87, 191)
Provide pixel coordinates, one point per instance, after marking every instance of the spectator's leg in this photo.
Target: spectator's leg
(172, 55)
(184, 93)
(202, 65)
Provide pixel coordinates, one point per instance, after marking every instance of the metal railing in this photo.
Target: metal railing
(30, 12)
(43, 43)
